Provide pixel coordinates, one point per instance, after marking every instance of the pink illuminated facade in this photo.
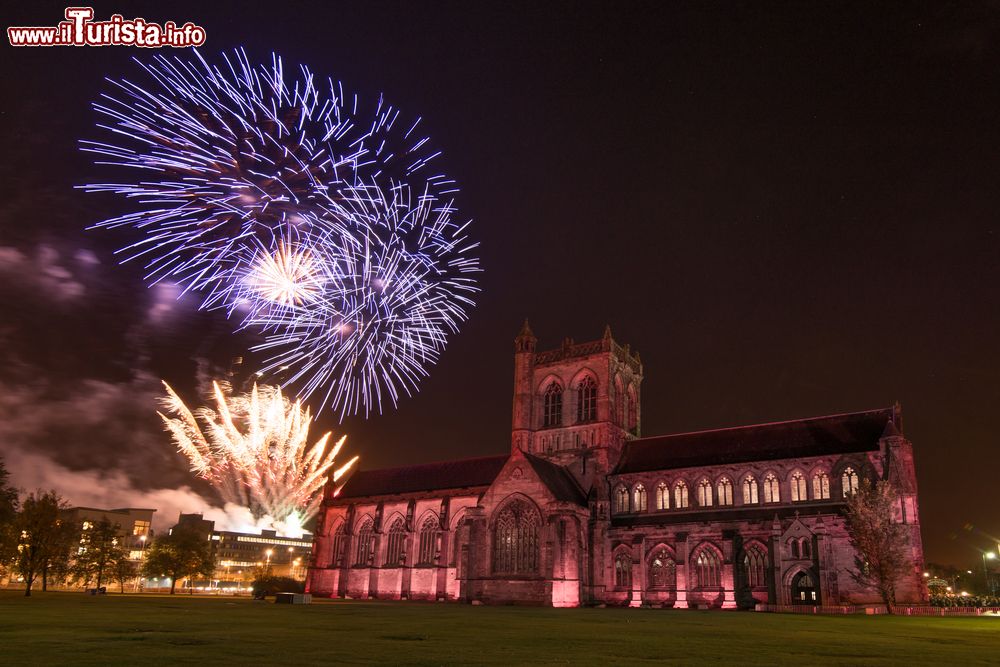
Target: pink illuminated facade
(586, 511)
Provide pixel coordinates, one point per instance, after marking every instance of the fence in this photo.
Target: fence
(900, 610)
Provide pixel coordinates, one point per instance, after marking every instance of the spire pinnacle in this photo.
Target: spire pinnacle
(526, 329)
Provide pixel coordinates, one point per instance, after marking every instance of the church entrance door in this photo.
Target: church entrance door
(804, 589)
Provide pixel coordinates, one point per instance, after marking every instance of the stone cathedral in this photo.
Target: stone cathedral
(584, 510)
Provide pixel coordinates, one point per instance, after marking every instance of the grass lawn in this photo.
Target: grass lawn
(71, 628)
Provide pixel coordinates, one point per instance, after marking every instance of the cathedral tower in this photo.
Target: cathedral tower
(577, 404)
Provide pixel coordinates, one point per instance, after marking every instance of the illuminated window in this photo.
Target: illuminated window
(821, 486)
(705, 493)
(662, 570)
(849, 482)
(798, 484)
(755, 566)
(586, 400)
(140, 528)
(707, 568)
(750, 491)
(639, 498)
(428, 541)
(725, 489)
(621, 500)
(365, 539)
(623, 571)
(515, 539)
(552, 414)
(680, 495)
(772, 494)
(662, 497)
(395, 552)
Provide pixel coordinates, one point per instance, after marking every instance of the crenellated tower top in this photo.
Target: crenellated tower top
(576, 404)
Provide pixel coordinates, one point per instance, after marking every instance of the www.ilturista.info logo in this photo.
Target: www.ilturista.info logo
(79, 30)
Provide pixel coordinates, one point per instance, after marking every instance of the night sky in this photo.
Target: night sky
(789, 210)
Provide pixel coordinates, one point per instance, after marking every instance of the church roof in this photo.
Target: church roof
(836, 434)
(424, 477)
(559, 480)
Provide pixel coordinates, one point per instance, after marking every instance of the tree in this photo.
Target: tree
(122, 569)
(8, 516)
(101, 546)
(879, 542)
(39, 532)
(56, 564)
(181, 553)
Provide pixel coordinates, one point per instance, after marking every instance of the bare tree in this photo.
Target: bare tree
(38, 530)
(879, 541)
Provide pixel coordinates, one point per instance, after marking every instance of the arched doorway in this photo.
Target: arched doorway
(805, 589)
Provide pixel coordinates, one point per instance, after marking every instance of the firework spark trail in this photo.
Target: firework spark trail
(289, 206)
(254, 448)
(228, 159)
(399, 287)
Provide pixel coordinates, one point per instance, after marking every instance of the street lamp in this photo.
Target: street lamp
(987, 555)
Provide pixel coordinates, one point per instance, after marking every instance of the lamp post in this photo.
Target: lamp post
(987, 555)
(267, 567)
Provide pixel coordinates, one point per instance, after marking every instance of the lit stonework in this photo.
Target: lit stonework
(585, 511)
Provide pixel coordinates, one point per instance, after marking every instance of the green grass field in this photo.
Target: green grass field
(71, 628)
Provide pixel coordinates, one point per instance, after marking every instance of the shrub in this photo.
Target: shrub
(269, 585)
(965, 601)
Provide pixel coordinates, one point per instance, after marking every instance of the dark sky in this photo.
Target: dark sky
(789, 210)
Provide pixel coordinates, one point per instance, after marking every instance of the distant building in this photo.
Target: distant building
(586, 511)
(238, 556)
(134, 524)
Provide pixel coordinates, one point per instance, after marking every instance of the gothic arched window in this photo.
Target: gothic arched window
(755, 566)
(821, 486)
(662, 496)
(707, 568)
(725, 489)
(515, 539)
(794, 544)
(623, 571)
(806, 547)
(750, 491)
(428, 541)
(705, 493)
(798, 487)
(621, 500)
(662, 570)
(849, 482)
(363, 553)
(552, 412)
(337, 547)
(639, 498)
(680, 495)
(772, 494)
(633, 410)
(619, 402)
(586, 400)
(395, 550)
